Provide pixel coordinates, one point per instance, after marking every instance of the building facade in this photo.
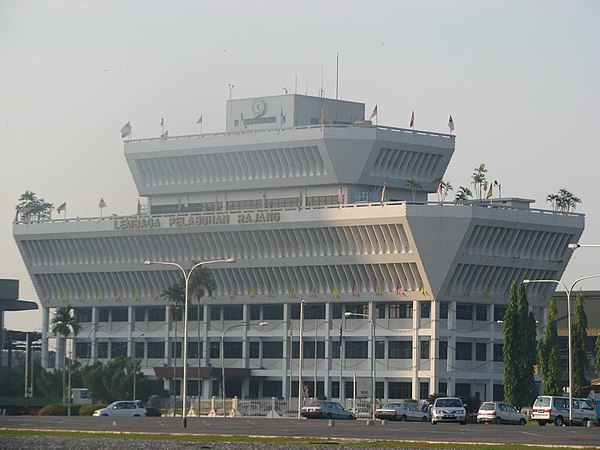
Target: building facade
(315, 204)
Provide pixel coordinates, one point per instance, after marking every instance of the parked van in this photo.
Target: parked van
(552, 409)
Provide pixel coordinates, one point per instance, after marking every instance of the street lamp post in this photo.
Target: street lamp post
(568, 291)
(262, 324)
(186, 277)
(135, 365)
(300, 387)
(373, 369)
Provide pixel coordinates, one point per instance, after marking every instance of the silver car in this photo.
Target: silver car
(448, 409)
(402, 411)
(123, 409)
(498, 412)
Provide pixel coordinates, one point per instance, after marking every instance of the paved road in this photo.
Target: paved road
(548, 435)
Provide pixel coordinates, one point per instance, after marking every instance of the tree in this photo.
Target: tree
(175, 295)
(463, 194)
(519, 349)
(414, 186)
(63, 324)
(579, 346)
(549, 354)
(597, 354)
(563, 201)
(29, 207)
(443, 187)
(479, 181)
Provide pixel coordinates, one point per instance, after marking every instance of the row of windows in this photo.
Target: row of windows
(274, 350)
(399, 310)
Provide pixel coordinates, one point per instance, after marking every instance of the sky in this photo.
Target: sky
(520, 78)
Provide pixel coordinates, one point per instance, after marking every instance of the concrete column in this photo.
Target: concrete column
(45, 322)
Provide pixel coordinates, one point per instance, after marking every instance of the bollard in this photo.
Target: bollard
(370, 421)
(590, 423)
(383, 422)
(331, 423)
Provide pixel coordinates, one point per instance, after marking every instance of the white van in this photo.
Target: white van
(552, 409)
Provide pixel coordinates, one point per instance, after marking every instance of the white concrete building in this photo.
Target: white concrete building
(293, 191)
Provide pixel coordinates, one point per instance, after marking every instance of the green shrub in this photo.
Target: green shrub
(59, 409)
(152, 412)
(88, 410)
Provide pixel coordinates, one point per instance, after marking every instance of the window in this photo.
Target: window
(83, 314)
(335, 349)
(309, 349)
(102, 350)
(335, 389)
(254, 350)
(176, 349)
(464, 312)
(139, 349)
(232, 350)
(215, 350)
(156, 314)
(273, 350)
(399, 390)
(271, 388)
(380, 310)
(462, 390)
(337, 311)
(443, 350)
(357, 350)
(357, 308)
(272, 312)
(423, 390)
(254, 312)
(233, 312)
(425, 310)
(379, 350)
(499, 312)
(215, 313)
(192, 349)
(120, 315)
(118, 349)
(314, 311)
(481, 313)
(140, 314)
(193, 312)
(480, 351)
(156, 350)
(425, 349)
(444, 310)
(401, 310)
(400, 350)
(103, 314)
(83, 350)
(442, 388)
(498, 352)
(463, 351)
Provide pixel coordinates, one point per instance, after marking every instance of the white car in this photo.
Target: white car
(498, 412)
(126, 408)
(448, 409)
(402, 411)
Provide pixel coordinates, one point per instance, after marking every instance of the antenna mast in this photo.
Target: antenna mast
(321, 91)
(337, 74)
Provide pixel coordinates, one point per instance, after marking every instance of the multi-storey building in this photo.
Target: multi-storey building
(315, 204)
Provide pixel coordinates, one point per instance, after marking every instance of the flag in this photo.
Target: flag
(374, 113)
(165, 135)
(340, 331)
(334, 291)
(383, 192)
(322, 117)
(282, 118)
(412, 120)
(263, 201)
(378, 289)
(290, 329)
(139, 207)
(200, 119)
(162, 122)
(102, 203)
(399, 288)
(242, 121)
(440, 192)
(62, 208)
(340, 195)
(126, 130)
(490, 192)
(451, 124)
(292, 292)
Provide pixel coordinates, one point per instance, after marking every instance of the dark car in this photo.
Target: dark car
(326, 410)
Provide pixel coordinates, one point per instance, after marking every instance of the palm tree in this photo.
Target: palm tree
(463, 194)
(30, 206)
(175, 295)
(479, 180)
(63, 324)
(553, 199)
(202, 281)
(414, 186)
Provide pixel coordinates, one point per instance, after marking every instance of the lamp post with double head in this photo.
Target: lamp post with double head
(186, 278)
(568, 291)
(301, 334)
(373, 369)
(262, 324)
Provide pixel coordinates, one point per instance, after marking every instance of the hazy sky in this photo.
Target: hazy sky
(520, 78)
